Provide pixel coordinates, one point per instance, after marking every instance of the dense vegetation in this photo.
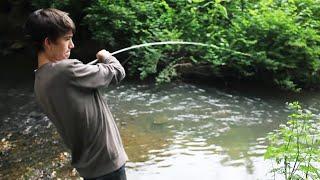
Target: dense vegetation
(281, 36)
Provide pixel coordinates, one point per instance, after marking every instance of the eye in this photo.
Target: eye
(68, 38)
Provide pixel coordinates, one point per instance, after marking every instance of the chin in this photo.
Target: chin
(60, 59)
(65, 57)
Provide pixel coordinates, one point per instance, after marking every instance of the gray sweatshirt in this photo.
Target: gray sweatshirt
(68, 92)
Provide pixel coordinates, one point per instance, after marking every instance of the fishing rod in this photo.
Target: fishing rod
(171, 42)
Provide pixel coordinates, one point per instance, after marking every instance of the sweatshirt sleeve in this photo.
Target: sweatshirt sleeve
(96, 76)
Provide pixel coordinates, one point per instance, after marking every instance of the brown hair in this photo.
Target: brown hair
(51, 23)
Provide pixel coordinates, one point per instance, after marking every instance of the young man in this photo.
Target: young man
(68, 92)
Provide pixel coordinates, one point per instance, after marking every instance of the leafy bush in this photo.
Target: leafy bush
(287, 40)
(295, 146)
(282, 37)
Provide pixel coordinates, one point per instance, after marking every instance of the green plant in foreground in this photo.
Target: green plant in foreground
(295, 145)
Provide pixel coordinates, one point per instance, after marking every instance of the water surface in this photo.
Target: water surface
(178, 131)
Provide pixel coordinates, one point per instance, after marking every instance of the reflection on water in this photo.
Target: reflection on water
(178, 131)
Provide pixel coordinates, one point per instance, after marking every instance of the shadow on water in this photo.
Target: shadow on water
(216, 132)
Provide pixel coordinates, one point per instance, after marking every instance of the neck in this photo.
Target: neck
(42, 59)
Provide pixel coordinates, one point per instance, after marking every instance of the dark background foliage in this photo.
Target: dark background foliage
(281, 36)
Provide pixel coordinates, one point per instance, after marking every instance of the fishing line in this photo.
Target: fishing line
(171, 42)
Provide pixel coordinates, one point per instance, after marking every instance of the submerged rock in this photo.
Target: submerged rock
(160, 119)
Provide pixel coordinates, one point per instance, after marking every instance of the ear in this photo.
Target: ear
(47, 43)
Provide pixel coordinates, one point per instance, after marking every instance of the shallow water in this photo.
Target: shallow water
(178, 131)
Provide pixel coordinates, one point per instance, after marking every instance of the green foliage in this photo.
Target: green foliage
(282, 37)
(286, 32)
(295, 146)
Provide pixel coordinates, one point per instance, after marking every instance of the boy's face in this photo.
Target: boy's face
(61, 48)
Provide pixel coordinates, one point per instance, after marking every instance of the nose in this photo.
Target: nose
(71, 45)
